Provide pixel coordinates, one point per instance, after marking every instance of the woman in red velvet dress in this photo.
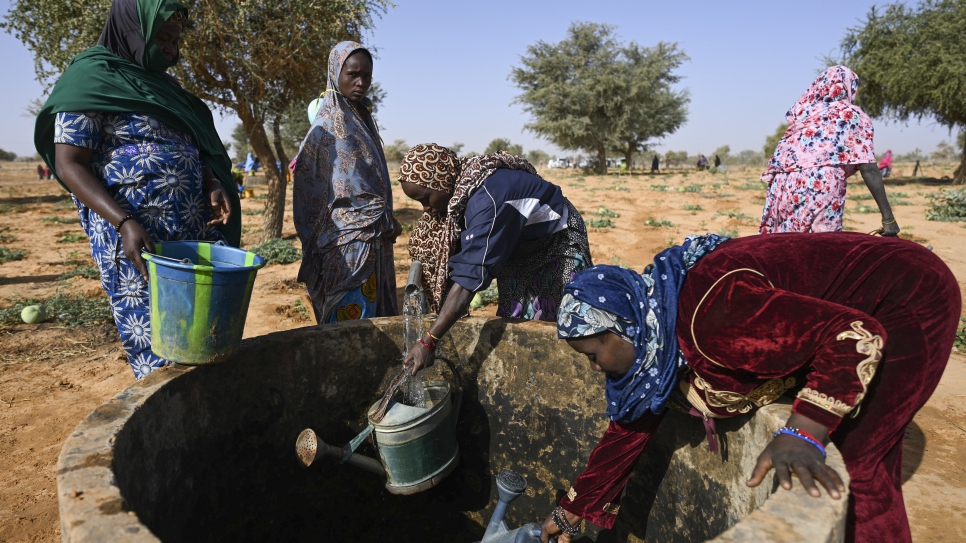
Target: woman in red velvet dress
(861, 326)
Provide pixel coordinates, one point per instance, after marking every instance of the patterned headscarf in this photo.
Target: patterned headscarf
(434, 238)
(431, 166)
(342, 199)
(642, 309)
(824, 127)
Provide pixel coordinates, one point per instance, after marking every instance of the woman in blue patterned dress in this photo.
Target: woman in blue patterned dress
(141, 166)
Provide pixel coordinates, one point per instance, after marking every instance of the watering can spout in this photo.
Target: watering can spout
(309, 448)
(509, 486)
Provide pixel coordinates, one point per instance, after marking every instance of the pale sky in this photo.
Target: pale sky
(444, 65)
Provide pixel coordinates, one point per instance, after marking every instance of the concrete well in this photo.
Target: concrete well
(207, 454)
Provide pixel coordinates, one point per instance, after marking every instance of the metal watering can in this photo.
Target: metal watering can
(417, 445)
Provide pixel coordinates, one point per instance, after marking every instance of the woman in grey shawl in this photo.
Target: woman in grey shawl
(343, 200)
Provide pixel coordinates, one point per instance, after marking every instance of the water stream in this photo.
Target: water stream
(413, 391)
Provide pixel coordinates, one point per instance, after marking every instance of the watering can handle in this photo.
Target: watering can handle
(459, 387)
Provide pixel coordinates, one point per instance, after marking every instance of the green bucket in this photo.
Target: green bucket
(199, 295)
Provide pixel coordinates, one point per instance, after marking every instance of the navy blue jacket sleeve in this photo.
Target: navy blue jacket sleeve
(492, 232)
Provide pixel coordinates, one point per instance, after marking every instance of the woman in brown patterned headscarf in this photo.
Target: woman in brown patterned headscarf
(490, 216)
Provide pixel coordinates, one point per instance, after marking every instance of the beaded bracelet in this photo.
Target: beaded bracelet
(122, 221)
(560, 519)
(804, 436)
(427, 345)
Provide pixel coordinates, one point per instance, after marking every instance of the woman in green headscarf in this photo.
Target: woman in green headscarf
(140, 156)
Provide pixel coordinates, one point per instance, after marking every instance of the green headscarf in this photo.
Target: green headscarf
(125, 74)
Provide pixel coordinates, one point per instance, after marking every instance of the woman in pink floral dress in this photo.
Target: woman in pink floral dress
(827, 140)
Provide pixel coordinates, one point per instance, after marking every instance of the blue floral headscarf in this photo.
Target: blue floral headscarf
(642, 309)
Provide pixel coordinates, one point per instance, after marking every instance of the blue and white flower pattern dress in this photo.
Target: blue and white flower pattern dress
(154, 173)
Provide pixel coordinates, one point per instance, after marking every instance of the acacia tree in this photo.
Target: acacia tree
(911, 63)
(590, 92)
(771, 142)
(503, 144)
(253, 57)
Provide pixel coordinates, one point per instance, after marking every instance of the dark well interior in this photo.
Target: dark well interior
(211, 455)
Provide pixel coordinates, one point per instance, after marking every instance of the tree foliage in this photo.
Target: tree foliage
(591, 92)
(503, 144)
(675, 158)
(771, 142)
(253, 57)
(7, 155)
(395, 151)
(538, 157)
(911, 63)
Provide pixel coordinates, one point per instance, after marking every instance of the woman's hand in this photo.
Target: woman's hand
(220, 206)
(789, 454)
(396, 230)
(550, 529)
(419, 357)
(136, 239)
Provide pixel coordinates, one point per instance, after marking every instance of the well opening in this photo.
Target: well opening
(209, 453)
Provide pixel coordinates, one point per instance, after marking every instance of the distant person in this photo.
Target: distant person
(145, 166)
(40, 171)
(492, 217)
(885, 166)
(623, 168)
(655, 164)
(249, 165)
(48, 173)
(702, 162)
(343, 199)
(827, 140)
(717, 161)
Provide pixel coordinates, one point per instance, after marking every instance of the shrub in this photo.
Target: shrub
(57, 220)
(87, 272)
(663, 223)
(600, 223)
(9, 255)
(72, 238)
(948, 206)
(277, 251)
(73, 310)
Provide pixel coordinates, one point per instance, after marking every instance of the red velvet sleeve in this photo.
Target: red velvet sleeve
(596, 494)
(747, 326)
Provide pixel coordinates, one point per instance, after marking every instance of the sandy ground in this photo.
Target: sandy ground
(51, 376)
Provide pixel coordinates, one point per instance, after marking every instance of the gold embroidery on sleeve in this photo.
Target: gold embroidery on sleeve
(734, 402)
(571, 494)
(824, 401)
(694, 338)
(611, 508)
(868, 344)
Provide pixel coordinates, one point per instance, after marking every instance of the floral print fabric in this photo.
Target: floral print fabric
(642, 308)
(827, 137)
(342, 201)
(154, 173)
